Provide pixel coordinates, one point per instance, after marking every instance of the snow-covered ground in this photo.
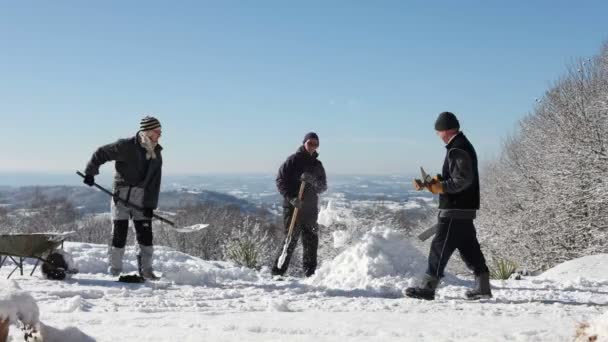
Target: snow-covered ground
(355, 297)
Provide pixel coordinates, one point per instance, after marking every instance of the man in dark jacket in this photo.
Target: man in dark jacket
(458, 190)
(302, 166)
(136, 180)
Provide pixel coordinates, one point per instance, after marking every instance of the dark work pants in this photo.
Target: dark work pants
(306, 226)
(143, 232)
(455, 234)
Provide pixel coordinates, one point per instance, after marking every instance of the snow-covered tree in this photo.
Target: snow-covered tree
(545, 199)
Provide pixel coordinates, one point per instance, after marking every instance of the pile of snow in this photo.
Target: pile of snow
(93, 258)
(594, 330)
(383, 262)
(341, 238)
(592, 267)
(278, 305)
(19, 306)
(16, 304)
(69, 334)
(183, 269)
(175, 266)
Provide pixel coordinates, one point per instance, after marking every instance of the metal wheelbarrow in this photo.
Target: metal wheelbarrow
(39, 246)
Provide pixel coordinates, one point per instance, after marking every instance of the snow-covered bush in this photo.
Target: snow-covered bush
(544, 200)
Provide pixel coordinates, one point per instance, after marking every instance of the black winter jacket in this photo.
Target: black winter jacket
(132, 167)
(460, 180)
(288, 178)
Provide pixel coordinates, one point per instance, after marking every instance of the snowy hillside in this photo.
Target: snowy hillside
(355, 297)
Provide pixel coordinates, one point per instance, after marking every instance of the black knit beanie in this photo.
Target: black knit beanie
(310, 135)
(149, 123)
(446, 121)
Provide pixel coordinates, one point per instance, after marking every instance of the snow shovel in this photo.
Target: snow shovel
(127, 203)
(190, 229)
(428, 233)
(281, 260)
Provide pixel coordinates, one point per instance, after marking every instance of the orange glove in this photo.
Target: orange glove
(435, 186)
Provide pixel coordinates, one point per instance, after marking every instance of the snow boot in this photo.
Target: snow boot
(144, 262)
(115, 260)
(149, 275)
(482, 287)
(426, 290)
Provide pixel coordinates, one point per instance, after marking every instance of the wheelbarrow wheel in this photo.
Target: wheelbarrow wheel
(55, 266)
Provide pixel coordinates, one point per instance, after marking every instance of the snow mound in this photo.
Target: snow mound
(341, 238)
(92, 258)
(382, 262)
(197, 272)
(175, 266)
(278, 305)
(595, 330)
(69, 334)
(585, 268)
(16, 304)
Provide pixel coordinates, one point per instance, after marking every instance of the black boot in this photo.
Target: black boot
(426, 290)
(482, 287)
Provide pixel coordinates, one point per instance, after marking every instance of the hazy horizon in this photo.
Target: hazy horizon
(30, 178)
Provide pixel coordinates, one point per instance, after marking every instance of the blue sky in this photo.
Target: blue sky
(236, 84)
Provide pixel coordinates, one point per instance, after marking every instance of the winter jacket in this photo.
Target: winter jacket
(288, 179)
(132, 167)
(460, 183)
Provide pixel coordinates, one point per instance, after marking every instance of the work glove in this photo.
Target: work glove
(296, 202)
(420, 185)
(89, 180)
(435, 185)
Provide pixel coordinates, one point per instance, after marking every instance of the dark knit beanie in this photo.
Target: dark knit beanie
(310, 135)
(446, 121)
(149, 123)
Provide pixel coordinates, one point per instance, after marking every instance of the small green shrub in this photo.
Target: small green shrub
(502, 268)
(244, 253)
